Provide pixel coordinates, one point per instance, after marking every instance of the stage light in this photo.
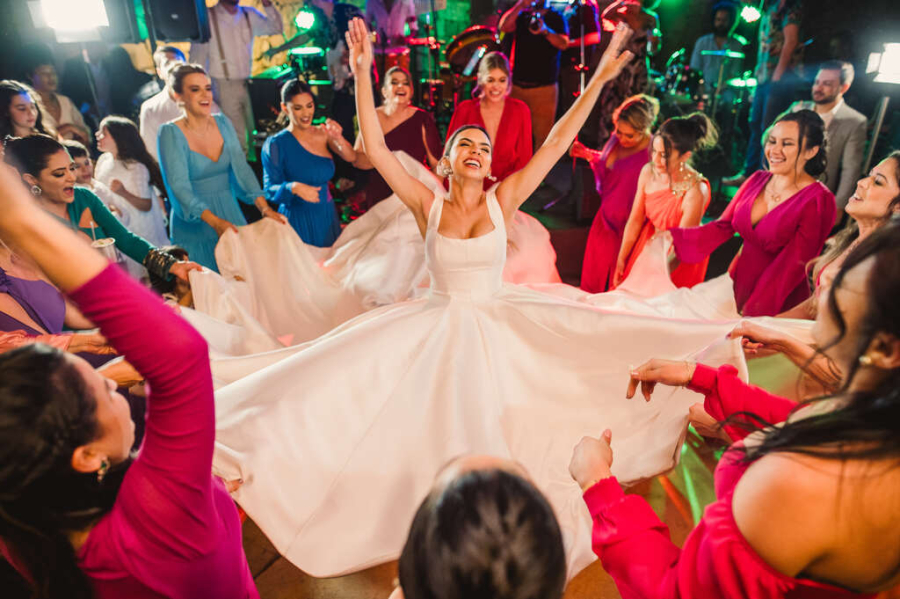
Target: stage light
(66, 15)
(750, 13)
(885, 65)
(305, 20)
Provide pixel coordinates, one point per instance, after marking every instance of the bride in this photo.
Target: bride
(338, 439)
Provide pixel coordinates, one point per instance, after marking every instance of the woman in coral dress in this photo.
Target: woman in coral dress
(670, 194)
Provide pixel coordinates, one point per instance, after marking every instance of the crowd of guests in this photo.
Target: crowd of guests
(76, 518)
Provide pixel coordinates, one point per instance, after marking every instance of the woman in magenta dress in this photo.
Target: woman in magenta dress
(616, 170)
(406, 128)
(802, 508)
(82, 518)
(494, 110)
(783, 215)
(670, 194)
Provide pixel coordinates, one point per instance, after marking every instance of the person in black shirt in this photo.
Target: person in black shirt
(540, 35)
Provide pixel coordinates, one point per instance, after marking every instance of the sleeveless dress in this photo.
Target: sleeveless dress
(663, 212)
(285, 160)
(617, 186)
(339, 439)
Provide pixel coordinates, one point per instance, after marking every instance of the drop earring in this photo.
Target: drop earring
(865, 360)
(36, 191)
(102, 470)
(444, 168)
(492, 178)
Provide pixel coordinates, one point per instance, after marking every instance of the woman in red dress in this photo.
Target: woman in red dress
(803, 505)
(494, 110)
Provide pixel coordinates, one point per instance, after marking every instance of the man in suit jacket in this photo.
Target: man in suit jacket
(845, 129)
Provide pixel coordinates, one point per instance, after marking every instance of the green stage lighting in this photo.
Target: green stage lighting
(305, 20)
(750, 13)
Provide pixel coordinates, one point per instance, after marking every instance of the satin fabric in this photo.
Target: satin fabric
(337, 440)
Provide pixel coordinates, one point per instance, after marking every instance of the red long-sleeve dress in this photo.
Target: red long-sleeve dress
(770, 271)
(512, 148)
(716, 561)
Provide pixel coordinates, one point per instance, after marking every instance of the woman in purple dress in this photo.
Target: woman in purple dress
(616, 170)
(405, 128)
(783, 215)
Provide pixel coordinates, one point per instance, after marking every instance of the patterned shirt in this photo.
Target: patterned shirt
(777, 15)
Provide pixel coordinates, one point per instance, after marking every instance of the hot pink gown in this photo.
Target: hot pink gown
(770, 272)
(716, 561)
(617, 186)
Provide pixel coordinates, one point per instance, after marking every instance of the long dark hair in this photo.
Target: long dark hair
(850, 232)
(46, 413)
(9, 89)
(488, 534)
(867, 426)
(30, 154)
(132, 149)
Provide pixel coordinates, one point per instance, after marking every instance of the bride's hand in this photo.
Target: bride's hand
(359, 45)
(655, 371)
(612, 63)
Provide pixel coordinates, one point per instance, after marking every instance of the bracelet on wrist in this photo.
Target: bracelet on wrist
(159, 262)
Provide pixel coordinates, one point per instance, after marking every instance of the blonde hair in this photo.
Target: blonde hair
(639, 111)
(491, 61)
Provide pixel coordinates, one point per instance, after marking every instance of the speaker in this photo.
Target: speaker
(178, 20)
(123, 26)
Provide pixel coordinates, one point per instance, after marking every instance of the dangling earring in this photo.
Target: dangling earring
(865, 360)
(681, 167)
(36, 191)
(492, 177)
(444, 168)
(102, 470)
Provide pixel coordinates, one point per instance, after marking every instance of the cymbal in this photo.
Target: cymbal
(723, 53)
(741, 82)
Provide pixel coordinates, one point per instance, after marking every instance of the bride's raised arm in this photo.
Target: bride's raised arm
(410, 190)
(516, 188)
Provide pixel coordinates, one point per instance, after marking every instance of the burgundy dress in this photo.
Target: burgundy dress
(407, 136)
(617, 187)
(770, 271)
(512, 148)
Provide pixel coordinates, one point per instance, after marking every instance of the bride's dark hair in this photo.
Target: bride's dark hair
(452, 138)
(487, 534)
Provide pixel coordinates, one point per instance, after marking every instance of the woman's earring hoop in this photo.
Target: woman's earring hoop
(36, 191)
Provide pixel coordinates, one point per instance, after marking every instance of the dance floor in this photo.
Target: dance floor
(677, 497)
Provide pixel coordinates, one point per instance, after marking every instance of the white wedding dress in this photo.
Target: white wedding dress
(338, 439)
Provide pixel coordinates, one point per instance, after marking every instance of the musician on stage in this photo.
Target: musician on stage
(540, 35)
(724, 19)
(390, 18)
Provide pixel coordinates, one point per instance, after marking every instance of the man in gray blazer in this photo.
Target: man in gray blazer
(845, 129)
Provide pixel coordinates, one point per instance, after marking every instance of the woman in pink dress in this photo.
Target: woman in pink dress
(81, 517)
(494, 110)
(670, 194)
(803, 507)
(616, 170)
(783, 215)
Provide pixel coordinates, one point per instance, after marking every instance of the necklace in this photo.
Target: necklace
(679, 188)
(775, 197)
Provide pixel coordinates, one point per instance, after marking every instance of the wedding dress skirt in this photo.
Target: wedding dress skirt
(276, 291)
(338, 439)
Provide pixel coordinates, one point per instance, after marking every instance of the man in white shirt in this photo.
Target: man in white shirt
(390, 18)
(845, 129)
(161, 108)
(227, 57)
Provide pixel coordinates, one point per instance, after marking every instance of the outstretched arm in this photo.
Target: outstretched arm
(516, 188)
(410, 190)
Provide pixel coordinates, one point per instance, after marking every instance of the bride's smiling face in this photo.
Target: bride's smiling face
(470, 154)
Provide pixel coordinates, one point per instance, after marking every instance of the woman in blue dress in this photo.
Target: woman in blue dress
(204, 169)
(297, 166)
